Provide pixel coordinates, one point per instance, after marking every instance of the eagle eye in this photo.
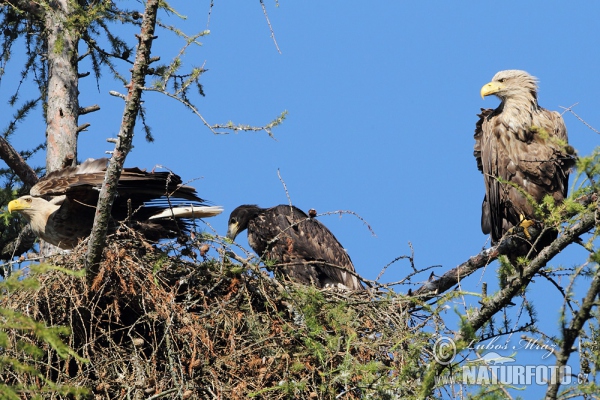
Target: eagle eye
(28, 200)
(501, 80)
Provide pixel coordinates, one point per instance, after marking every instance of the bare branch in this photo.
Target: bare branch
(452, 277)
(287, 193)
(262, 4)
(83, 127)
(124, 141)
(13, 159)
(570, 109)
(87, 110)
(117, 94)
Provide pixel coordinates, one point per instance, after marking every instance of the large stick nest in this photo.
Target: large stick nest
(158, 324)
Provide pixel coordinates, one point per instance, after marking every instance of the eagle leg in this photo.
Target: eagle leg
(526, 223)
(522, 227)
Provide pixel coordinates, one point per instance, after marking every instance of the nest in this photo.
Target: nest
(165, 322)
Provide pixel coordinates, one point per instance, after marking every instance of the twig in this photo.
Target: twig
(163, 394)
(390, 263)
(287, 193)
(406, 278)
(570, 109)
(262, 4)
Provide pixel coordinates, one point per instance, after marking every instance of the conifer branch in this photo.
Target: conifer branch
(571, 332)
(493, 305)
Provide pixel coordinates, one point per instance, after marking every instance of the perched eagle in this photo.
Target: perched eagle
(520, 147)
(304, 249)
(61, 206)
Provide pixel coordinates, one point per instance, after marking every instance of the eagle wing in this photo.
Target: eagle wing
(486, 225)
(534, 160)
(141, 196)
(136, 188)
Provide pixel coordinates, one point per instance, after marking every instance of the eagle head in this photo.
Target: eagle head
(511, 83)
(239, 219)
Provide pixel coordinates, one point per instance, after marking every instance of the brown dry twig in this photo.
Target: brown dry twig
(155, 324)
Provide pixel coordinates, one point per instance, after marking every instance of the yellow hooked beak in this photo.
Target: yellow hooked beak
(491, 88)
(14, 205)
(18, 205)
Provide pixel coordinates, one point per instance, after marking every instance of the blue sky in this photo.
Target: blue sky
(382, 100)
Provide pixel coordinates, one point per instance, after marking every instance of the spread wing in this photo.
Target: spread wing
(136, 188)
(142, 197)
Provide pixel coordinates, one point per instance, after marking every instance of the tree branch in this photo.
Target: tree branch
(493, 305)
(13, 159)
(28, 6)
(124, 140)
(571, 333)
(87, 110)
(453, 277)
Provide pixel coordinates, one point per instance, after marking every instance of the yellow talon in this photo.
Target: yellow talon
(526, 223)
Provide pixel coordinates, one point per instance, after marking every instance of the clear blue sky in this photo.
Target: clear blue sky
(382, 100)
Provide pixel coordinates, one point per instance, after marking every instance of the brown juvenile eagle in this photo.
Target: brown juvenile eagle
(304, 249)
(61, 206)
(519, 147)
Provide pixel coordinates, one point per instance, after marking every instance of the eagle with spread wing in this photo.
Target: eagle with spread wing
(522, 151)
(304, 250)
(60, 208)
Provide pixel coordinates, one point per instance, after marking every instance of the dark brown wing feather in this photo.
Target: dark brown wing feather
(304, 246)
(486, 223)
(82, 183)
(140, 194)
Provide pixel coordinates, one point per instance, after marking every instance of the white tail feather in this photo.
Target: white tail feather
(189, 212)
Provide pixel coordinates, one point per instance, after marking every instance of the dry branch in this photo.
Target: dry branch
(153, 325)
(452, 277)
(124, 141)
(13, 159)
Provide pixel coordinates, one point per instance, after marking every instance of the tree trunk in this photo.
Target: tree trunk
(62, 101)
(62, 94)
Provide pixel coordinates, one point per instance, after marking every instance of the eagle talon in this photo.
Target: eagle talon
(526, 223)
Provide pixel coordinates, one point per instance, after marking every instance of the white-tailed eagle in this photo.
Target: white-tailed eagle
(302, 248)
(61, 206)
(521, 148)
